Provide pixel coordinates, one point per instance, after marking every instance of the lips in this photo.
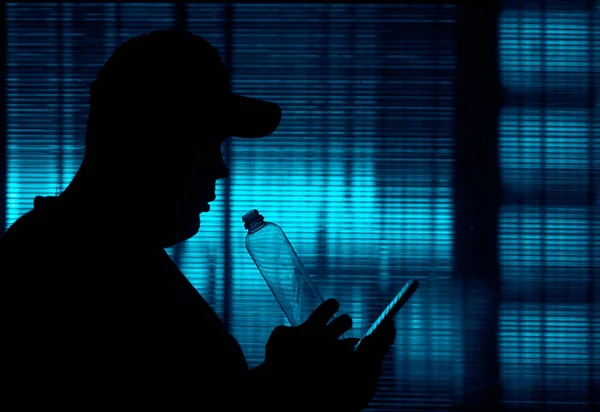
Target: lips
(205, 207)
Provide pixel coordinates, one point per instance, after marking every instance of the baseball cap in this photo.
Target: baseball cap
(173, 67)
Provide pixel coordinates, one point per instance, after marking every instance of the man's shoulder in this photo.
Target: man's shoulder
(24, 233)
(36, 231)
(41, 249)
(50, 252)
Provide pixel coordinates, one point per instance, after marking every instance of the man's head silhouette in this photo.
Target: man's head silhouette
(160, 109)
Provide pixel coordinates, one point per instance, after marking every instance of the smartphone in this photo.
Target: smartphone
(401, 298)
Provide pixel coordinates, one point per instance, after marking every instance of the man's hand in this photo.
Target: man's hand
(314, 341)
(368, 362)
(321, 371)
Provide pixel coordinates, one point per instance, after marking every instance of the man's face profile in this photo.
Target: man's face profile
(186, 182)
(169, 175)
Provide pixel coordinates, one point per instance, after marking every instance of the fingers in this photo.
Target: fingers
(340, 325)
(321, 316)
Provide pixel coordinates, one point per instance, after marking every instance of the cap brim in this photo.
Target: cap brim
(251, 118)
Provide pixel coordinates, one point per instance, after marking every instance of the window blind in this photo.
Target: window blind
(358, 174)
(549, 324)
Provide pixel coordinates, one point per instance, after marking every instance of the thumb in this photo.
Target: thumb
(386, 333)
(349, 344)
(278, 337)
(377, 344)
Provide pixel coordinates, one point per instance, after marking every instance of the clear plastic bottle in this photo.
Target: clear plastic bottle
(281, 268)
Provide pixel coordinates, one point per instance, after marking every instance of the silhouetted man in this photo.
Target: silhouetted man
(99, 315)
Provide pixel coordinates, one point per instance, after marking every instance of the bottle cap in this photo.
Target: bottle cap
(252, 218)
(251, 215)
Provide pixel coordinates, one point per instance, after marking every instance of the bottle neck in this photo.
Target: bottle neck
(255, 224)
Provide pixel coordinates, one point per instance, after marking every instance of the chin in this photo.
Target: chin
(184, 230)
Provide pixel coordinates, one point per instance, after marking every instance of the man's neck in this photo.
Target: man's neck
(110, 212)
